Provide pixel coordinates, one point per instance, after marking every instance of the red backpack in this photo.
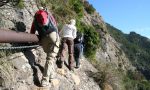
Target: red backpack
(45, 22)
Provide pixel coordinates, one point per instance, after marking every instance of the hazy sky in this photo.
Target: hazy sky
(126, 15)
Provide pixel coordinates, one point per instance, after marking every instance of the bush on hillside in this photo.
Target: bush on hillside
(20, 4)
(77, 6)
(92, 41)
(88, 7)
(135, 81)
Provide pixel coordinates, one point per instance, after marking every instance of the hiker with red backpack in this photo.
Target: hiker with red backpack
(68, 34)
(46, 26)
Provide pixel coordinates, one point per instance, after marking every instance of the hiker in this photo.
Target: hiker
(68, 34)
(45, 24)
(78, 48)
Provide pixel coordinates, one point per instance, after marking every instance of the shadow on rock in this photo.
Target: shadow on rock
(31, 58)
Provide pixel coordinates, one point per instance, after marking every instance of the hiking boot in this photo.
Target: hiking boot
(59, 64)
(77, 66)
(44, 83)
(71, 68)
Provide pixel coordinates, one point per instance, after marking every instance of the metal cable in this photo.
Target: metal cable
(18, 47)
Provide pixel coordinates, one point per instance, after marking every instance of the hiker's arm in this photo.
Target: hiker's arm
(32, 31)
(74, 33)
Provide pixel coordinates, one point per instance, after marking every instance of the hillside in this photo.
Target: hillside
(137, 49)
(105, 65)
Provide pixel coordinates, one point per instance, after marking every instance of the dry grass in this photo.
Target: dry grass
(6, 73)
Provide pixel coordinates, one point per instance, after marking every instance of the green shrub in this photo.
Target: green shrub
(88, 7)
(64, 14)
(135, 81)
(77, 6)
(97, 26)
(80, 25)
(92, 41)
(21, 4)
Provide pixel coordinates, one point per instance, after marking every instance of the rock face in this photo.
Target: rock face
(22, 71)
(112, 53)
(20, 18)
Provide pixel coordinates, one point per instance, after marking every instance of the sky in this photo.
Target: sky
(125, 15)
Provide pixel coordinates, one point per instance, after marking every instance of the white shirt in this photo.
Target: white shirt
(68, 30)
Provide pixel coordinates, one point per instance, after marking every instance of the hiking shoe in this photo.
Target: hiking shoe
(71, 69)
(77, 67)
(44, 83)
(59, 64)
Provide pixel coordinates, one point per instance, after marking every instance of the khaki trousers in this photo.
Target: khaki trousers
(50, 44)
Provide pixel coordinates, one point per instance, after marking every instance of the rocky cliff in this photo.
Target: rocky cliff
(22, 71)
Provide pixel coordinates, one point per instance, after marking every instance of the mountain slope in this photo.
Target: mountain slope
(104, 67)
(136, 48)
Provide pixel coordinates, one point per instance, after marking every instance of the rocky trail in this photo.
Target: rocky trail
(26, 74)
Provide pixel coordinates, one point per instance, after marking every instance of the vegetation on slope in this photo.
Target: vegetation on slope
(137, 49)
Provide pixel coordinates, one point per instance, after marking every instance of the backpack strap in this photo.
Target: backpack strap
(52, 22)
